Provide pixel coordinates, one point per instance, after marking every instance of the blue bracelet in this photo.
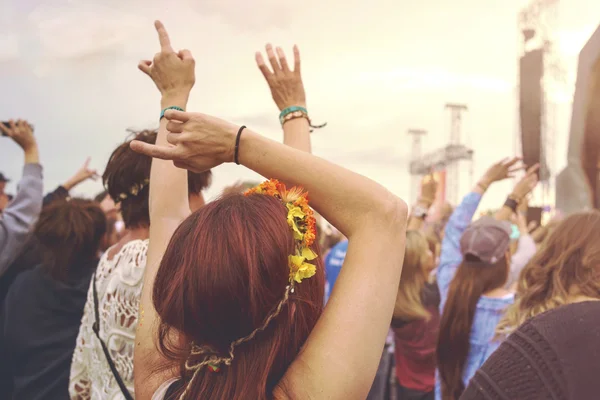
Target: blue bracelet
(162, 113)
(290, 110)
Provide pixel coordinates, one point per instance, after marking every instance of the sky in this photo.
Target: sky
(372, 70)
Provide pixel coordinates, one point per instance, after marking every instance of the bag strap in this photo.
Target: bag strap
(96, 329)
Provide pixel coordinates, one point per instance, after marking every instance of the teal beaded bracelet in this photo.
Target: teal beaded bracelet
(162, 113)
(289, 110)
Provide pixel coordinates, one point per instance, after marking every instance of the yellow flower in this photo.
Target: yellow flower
(299, 269)
(308, 254)
(293, 213)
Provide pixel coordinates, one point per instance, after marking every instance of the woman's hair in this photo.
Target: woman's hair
(224, 273)
(414, 276)
(69, 233)
(126, 179)
(471, 281)
(567, 265)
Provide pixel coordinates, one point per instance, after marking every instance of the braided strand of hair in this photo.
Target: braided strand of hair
(212, 359)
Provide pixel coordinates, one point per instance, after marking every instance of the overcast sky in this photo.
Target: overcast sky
(372, 70)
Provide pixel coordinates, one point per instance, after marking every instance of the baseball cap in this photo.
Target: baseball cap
(3, 178)
(487, 239)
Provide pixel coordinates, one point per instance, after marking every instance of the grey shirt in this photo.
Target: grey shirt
(21, 214)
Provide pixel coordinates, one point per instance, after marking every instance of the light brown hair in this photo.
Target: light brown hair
(409, 305)
(567, 265)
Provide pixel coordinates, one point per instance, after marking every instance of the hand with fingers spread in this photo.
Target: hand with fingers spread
(173, 73)
(526, 184)
(84, 173)
(286, 85)
(199, 142)
(501, 170)
(22, 133)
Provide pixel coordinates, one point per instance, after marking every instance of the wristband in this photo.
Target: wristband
(291, 110)
(237, 145)
(512, 204)
(419, 212)
(162, 113)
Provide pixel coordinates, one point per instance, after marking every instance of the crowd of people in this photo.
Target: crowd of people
(148, 291)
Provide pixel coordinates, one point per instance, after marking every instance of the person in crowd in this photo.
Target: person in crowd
(20, 215)
(286, 90)
(564, 271)
(522, 246)
(41, 315)
(63, 191)
(119, 277)
(473, 270)
(416, 321)
(553, 355)
(233, 291)
(116, 226)
(4, 198)
(30, 256)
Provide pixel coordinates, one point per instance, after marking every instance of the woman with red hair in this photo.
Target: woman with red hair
(232, 304)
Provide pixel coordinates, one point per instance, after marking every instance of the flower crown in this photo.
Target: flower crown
(134, 190)
(301, 220)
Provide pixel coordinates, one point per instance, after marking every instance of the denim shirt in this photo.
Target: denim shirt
(489, 310)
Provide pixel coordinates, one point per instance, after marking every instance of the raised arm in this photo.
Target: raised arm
(424, 203)
(62, 192)
(450, 256)
(360, 309)
(288, 94)
(22, 213)
(525, 186)
(173, 74)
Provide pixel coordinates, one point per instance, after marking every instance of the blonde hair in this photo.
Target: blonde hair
(566, 266)
(414, 276)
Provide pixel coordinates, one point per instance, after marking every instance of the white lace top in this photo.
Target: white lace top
(119, 285)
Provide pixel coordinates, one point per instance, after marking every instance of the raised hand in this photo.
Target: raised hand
(84, 173)
(526, 184)
(173, 73)
(501, 170)
(286, 85)
(428, 189)
(199, 142)
(21, 132)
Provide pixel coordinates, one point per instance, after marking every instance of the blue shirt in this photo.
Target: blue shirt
(333, 265)
(489, 310)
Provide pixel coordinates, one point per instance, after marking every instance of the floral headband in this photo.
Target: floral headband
(301, 220)
(133, 191)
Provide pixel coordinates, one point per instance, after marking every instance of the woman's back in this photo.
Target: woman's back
(40, 321)
(119, 285)
(415, 343)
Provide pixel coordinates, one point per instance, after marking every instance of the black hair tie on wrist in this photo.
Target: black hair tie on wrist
(237, 145)
(512, 204)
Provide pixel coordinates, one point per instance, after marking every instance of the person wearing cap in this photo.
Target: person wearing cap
(474, 267)
(21, 214)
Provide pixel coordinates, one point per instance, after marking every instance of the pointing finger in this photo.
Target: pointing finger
(87, 162)
(163, 37)
(152, 150)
